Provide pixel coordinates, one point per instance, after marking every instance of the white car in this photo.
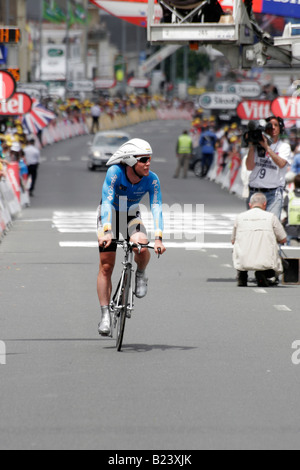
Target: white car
(105, 144)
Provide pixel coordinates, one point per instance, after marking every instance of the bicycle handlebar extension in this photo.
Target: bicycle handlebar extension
(139, 246)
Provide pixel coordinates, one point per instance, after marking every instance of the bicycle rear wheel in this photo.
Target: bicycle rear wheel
(123, 314)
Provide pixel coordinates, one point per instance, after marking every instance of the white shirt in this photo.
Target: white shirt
(32, 155)
(96, 111)
(256, 235)
(266, 173)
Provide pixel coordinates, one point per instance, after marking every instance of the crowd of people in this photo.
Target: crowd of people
(271, 168)
(17, 144)
(27, 155)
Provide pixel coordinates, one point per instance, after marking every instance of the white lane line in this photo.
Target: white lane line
(282, 308)
(259, 290)
(78, 244)
(63, 159)
(187, 246)
(27, 221)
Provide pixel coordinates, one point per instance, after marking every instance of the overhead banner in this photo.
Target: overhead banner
(289, 8)
(135, 11)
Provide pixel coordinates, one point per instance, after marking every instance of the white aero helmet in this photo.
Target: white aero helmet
(129, 152)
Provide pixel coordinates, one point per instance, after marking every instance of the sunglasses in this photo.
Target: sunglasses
(144, 159)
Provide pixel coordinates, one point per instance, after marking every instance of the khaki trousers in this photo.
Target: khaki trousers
(183, 162)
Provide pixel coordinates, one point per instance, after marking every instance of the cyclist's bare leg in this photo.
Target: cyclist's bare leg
(104, 284)
(142, 259)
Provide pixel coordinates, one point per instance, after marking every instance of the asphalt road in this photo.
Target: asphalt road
(205, 365)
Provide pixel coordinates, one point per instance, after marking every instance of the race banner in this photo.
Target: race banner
(135, 11)
(13, 173)
(286, 107)
(288, 8)
(250, 110)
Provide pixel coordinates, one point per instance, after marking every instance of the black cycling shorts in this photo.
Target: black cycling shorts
(134, 224)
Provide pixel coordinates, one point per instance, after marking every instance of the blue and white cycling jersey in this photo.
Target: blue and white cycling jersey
(117, 188)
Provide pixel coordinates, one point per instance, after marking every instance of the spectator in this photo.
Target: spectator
(292, 209)
(96, 113)
(269, 165)
(256, 235)
(15, 152)
(2, 174)
(296, 162)
(32, 156)
(23, 171)
(207, 144)
(184, 152)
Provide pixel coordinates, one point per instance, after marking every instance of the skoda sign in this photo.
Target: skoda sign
(219, 101)
(245, 89)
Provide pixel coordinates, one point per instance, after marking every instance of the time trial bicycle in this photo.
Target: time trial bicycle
(122, 304)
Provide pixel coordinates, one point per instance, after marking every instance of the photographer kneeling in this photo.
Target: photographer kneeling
(255, 237)
(268, 159)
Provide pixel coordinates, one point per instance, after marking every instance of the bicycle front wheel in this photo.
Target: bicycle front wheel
(123, 314)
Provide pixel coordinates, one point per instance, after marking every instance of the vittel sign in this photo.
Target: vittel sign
(286, 107)
(19, 104)
(254, 109)
(7, 86)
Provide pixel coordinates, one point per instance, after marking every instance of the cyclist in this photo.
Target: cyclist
(127, 181)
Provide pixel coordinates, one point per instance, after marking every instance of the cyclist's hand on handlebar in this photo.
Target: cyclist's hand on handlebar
(105, 241)
(159, 247)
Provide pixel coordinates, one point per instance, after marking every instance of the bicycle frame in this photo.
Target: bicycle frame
(122, 304)
(116, 305)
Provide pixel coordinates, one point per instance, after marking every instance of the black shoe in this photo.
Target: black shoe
(242, 279)
(261, 279)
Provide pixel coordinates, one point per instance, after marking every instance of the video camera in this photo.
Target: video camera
(256, 133)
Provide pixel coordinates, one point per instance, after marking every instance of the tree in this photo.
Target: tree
(197, 62)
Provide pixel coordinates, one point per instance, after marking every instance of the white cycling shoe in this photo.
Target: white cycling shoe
(105, 325)
(141, 284)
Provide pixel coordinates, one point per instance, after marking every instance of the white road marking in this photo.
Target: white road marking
(282, 308)
(185, 245)
(63, 159)
(259, 290)
(185, 230)
(78, 244)
(27, 221)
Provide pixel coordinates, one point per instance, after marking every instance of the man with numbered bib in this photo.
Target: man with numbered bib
(269, 162)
